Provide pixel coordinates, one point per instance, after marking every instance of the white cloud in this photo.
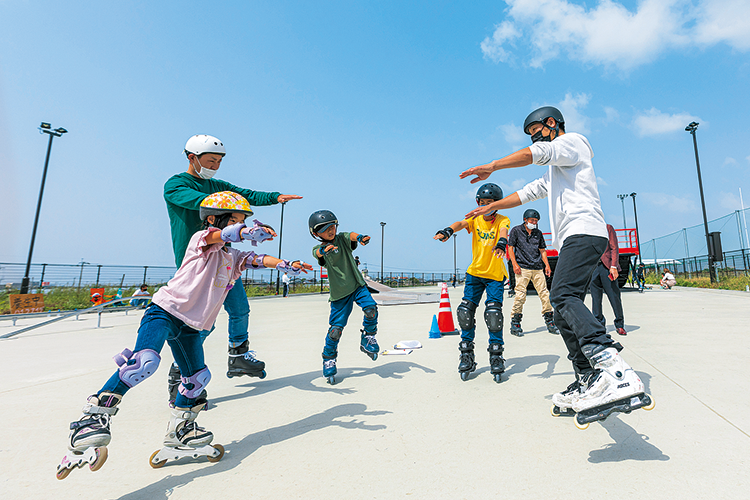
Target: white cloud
(611, 35)
(611, 113)
(747, 158)
(492, 48)
(655, 122)
(514, 135)
(601, 182)
(571, 106)
(729, 201)
(670, 202)
(730, 161)
(514, 186)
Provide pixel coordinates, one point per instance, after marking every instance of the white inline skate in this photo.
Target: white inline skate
(90, 435)
(185, 438)
(613, 386)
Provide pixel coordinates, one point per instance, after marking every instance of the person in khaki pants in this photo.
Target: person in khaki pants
(527, 252)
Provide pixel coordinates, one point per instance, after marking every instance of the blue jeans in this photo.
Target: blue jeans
(158, 326)
(473, 290)
(238, 309)
(342, 308)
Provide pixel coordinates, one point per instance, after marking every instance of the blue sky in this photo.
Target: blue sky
(369, 109)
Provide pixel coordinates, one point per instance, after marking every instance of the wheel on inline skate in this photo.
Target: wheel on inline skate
(101, 457)
(498, 377)
(556, 411)
(62, 473)
(652, 403)
(156, 465)
(465, 376)
(582, 426)
(331, 380)
(220, 448)
(262, 374)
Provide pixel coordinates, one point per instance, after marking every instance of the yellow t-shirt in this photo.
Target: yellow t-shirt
(484, 235)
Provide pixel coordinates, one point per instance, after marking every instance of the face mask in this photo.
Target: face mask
(205, 173)
(530, 225)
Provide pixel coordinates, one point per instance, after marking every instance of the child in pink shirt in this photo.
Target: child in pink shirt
(189, 303)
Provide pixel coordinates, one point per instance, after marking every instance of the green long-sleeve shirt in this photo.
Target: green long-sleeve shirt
(184, 194)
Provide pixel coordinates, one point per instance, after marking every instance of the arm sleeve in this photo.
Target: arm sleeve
(534, 190)
(542, 243)
(178, 193)
(558, 153)
(256, 198)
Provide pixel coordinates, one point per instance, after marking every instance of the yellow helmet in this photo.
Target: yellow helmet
(224, 202)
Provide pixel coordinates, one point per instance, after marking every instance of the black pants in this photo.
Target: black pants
(600, 284)
(578, 327)
(511, 276)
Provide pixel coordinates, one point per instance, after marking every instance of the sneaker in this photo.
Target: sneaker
(621, 331)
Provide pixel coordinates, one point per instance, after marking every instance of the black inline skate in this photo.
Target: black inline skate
(515, 325)
(466, 363)
(549, 320)
(497, 363)
(242, 361)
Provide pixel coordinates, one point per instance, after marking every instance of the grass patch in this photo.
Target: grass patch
(725, 282)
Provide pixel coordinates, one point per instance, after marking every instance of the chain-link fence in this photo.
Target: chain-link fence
(686, 252)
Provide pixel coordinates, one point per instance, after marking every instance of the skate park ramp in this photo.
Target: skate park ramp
(387, 296)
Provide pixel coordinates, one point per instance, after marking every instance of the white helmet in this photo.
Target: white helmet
(199, 144)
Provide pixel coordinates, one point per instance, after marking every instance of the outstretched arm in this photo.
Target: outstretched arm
(520, 158)
(359, 238)
(510, 201)
(456, 226)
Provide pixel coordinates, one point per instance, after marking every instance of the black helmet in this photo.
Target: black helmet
(541, 115)
(531, 214)
(489, 191)
(320, 219)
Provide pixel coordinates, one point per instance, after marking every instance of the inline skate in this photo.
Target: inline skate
(90, 435)
(466, 363)
(242, 361)
(515, 325)
(185, 438)
(549, 321)
(369, 345)
(497, 363)
(329, 365)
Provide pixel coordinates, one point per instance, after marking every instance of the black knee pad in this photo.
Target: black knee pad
(493, 316)
(465, 313)
(371, 312)
(335, 332)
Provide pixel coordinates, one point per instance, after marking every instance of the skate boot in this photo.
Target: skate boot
(242, 361)
(515, 325)
(89, 435)
(173, 383)
(173, 386)
(369, 345)
(497, 363)
(549, 320)
(466, 363)
(562, 402)
(329, 365)
(613, 386)
(185, 438)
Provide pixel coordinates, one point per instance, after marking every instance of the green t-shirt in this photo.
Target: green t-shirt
(343, 275)
(184, 194)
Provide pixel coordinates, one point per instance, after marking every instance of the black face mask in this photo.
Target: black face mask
(539, 137)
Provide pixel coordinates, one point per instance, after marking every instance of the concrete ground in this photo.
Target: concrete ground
(400, 427)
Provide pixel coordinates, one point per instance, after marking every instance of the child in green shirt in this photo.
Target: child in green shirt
(347, 287)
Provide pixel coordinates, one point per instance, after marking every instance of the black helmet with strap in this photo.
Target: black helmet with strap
(540, 116)
(319, 221)
(489, 191)
(531, 214)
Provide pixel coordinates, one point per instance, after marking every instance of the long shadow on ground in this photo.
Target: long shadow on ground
(239, 450)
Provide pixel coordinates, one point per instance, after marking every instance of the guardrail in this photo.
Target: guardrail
(99, 309)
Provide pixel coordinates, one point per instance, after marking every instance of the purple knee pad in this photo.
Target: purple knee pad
(199, 380)
(135, 368)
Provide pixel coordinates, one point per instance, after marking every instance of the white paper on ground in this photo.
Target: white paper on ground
(408, 344)
(396, 351)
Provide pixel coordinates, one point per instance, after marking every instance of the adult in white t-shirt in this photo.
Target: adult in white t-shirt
(285, 280)
(580, 234)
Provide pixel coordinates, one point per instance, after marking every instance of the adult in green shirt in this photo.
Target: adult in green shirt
(184, 193)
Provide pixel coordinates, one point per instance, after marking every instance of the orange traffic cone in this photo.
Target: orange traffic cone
(445, 316)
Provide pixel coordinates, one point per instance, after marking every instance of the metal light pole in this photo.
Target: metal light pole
(692, 127)
(637, 234)
(281, 234)
(622, 200)
(455, 267)
(44, 128)
(382, 236)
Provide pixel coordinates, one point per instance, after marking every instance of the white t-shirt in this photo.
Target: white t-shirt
(198, 289)
(285, 278)
(570, 185)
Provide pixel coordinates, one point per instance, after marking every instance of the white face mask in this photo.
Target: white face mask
(205, 173)
(530, 225)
